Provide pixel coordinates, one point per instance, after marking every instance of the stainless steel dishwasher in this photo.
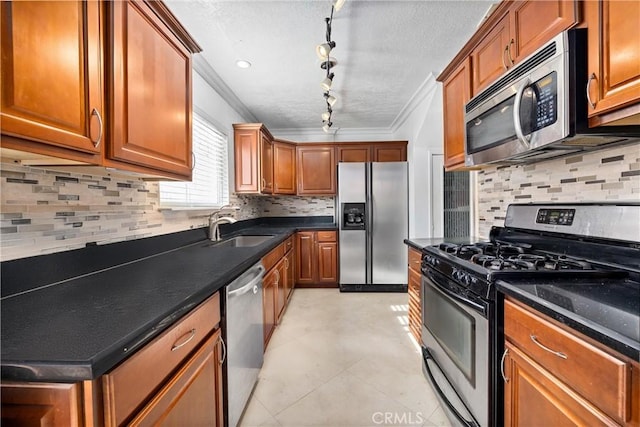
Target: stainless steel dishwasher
(245, 339)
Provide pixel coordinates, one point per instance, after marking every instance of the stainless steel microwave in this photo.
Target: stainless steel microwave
(538, 109)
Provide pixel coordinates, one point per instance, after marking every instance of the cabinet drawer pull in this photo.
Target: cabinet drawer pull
(264, 183)
(544, 347)
(504, 356)
(286, 263)
(97, 142)
(182, 341)
(277, 277)
(592, 77)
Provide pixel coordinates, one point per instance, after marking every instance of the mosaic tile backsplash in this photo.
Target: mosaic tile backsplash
(607, 175)
(45, 211)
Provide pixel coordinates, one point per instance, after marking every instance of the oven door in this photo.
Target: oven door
(455, 335)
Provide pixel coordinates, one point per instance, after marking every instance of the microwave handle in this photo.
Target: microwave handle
(516, 115)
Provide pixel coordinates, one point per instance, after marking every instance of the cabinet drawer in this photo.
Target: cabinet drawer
(272, 258)
(288, 244)
(326, 236)
(131, 383)
(598, 376)
(415, 258)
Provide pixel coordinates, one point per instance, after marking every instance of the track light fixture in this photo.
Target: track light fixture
(323, 50)
(326, 83)
(331, 100)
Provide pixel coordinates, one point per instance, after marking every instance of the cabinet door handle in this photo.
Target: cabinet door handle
(544, 347)
(509, 51)
(264, 183)
(193, 161)
(286, 263)
(504, 356)
(181, 343)
(592, 77)
(506, 48)
(277, 277)
(97, 142)
(224, 350)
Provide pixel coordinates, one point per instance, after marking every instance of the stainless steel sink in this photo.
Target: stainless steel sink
(245, 241)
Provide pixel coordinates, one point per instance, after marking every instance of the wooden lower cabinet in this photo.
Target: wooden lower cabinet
(176, 379)
(269, 298)
(41, 404)
(193, 396)
(534, 397)
(277, 285)
(415, 294)
(316, 259)
(555, 376)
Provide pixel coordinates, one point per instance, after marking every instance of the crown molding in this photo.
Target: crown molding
(337, 135)
(202, 67)
(425, 90)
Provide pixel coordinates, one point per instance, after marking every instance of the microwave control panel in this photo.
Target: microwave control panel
(544, 94)
(555, 216)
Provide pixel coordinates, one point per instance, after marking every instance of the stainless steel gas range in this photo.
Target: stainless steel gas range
(562, 254)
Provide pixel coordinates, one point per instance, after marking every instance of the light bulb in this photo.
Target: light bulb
(331, 100)
(326, 116)
(326, 83)
(323, 49)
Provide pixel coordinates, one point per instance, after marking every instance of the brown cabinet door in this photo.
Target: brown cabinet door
(51, 75)
(535, 397)
(490, 57)
(281, 293)
(305, 243)
(247, 154)
(290, 277)
(327, 262)
(284, 169)
(614, 57)
(390, 152)
(415, 310)
(354, 153)
(316, 170)
(266, 164)
(456, 92)
(269, 295)
(41, 404)
(193, 396)
(534, 22)
(151, 104)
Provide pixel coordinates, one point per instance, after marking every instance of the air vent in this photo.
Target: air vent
(513, 75)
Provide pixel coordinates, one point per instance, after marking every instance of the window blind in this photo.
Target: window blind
(209, 186)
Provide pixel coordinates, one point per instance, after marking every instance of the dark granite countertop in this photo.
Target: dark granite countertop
(606, 310)
(88, 318)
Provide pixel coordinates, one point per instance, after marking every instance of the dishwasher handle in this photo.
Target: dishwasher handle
(249, 286)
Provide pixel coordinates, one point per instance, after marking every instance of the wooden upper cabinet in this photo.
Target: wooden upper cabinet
(354, 153)
(284, 168)
(266, 163)
(490, 57)
(51, 84)
(316, 169)
(389, 152)
(151, 91)
(456, 91)
(614, 62)
(534, 22)
(254, 158)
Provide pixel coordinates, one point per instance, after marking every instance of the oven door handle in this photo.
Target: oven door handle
(467, 302)
(443, 397)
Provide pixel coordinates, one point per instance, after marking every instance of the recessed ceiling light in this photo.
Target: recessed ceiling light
(241, 63)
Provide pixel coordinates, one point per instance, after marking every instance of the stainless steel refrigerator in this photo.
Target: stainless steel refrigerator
(373, 224)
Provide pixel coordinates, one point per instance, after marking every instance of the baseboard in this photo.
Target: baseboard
(373, 288)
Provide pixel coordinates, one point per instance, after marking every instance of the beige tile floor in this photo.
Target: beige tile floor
(343, 360)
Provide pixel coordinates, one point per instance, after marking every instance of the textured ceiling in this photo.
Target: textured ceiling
(385, 51)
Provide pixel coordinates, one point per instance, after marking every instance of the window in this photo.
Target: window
(209, 186)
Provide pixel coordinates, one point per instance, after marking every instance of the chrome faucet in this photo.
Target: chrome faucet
(215, 220)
